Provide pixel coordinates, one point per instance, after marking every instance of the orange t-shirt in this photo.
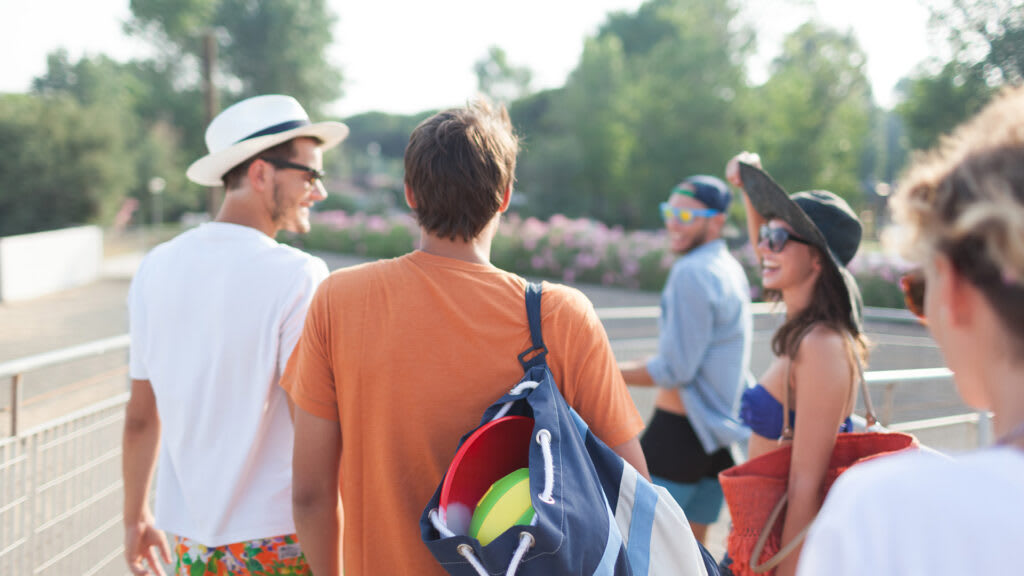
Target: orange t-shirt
(407, 354)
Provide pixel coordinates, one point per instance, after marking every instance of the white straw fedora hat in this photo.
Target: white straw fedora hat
(250, 127)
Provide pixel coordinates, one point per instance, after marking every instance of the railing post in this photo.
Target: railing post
(887, 403)
(15, 402)
(984, 429)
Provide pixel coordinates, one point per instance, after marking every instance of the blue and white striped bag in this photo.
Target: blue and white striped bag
(594, 513)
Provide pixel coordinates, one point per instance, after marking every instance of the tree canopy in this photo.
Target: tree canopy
(659, 93)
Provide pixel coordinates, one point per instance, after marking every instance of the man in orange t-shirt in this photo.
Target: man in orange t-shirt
(399, 358)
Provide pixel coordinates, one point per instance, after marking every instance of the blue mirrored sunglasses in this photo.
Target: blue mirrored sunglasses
(671, 213)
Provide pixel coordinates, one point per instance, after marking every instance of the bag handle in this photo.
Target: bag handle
(869, 407)
(538, 350)
(763, 538)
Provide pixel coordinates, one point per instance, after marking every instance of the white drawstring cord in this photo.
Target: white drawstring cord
(525, 543)
(439, 525)
(544, 439)
(517, 390)
(466, 551)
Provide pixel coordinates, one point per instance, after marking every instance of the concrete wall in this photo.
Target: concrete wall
(32, 265)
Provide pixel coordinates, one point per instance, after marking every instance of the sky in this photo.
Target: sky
(405, 56)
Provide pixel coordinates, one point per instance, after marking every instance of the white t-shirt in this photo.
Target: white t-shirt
(922, 514)
(215, 314)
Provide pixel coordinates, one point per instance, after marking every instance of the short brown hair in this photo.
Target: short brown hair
(965, 199)
(458, 164)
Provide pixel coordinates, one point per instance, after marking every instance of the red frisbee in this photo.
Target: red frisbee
(491, 452)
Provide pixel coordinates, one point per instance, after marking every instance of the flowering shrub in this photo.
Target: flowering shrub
(574, 250)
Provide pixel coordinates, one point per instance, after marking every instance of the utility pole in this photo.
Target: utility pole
(213, 194)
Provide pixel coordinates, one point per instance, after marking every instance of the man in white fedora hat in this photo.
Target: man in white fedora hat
(215, 314)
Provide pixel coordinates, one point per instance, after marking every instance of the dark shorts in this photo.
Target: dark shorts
(674, 452)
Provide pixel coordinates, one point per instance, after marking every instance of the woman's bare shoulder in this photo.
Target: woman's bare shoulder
(823, 357)
(822, 342)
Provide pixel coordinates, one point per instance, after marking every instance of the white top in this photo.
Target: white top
(215, 314)
(922, 514)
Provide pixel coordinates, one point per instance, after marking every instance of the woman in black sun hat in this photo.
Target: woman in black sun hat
(804, 243)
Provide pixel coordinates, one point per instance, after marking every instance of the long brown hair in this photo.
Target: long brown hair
(829, 306)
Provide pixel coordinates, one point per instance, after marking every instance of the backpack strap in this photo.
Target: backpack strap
(538, 351)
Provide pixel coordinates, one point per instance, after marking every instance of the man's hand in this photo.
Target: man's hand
(635, 373)
(139, 453)
(140, 538)
(732, 169)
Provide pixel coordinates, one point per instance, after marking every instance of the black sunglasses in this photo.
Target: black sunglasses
(777, 238)
(314, 174)
(913, 286)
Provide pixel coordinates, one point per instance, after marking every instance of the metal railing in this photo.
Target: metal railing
(61, 484)
(758, 309)
(16, 369)
(62, 496)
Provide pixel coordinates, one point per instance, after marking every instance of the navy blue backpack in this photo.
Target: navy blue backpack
(594, 514)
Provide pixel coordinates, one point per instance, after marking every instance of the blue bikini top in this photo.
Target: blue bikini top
(763, 413)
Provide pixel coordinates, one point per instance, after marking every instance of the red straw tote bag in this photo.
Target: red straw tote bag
(755, 491)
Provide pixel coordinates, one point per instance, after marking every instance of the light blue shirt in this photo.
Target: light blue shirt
(704, 343)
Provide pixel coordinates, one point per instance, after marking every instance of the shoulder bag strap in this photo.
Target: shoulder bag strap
(536, 354)
(869, 407)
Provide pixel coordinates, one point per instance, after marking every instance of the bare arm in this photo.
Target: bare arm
(316, 502)
(631, 452)
(141, 443)
(822, 382)
(732, 174)
(635, 373)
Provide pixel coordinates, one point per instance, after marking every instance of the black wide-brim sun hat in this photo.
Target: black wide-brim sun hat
(820, 217)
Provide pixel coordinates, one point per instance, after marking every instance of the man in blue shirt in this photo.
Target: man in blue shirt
(703, 358)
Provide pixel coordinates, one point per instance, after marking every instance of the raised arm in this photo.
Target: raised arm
(732, 174)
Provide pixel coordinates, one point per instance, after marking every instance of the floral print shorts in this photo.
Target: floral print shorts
(278, 556)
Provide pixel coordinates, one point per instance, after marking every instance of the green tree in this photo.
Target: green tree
(597, 105)
(138, 99)
(687, 88)
(933, 105)
(986, 38)
(549, 166)
(811, 119)
(60, 163)
(264, 46)
(652, 101)
(989, 33)
(499, 79)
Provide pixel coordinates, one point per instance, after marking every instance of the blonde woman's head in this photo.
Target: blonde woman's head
(965, 200)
